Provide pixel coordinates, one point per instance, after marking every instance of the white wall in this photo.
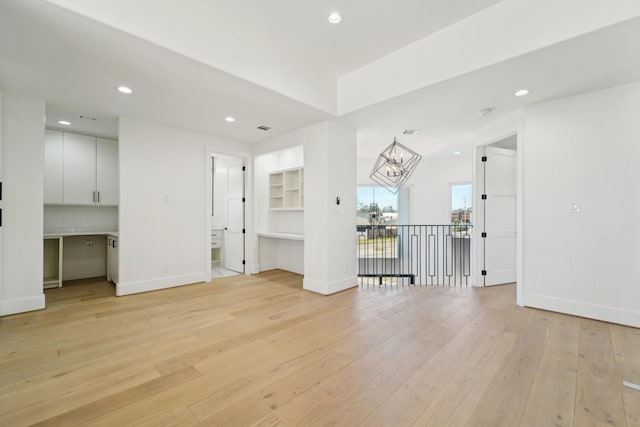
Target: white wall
(59, 218)
(583, 150)
(84, 257)
(329, 249)
(431, 192)
(163, 217)
(22, 159)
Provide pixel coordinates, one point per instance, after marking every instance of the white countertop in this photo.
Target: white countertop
(288, 236)
(68, 233)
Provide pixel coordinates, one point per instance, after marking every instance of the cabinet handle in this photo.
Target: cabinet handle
(98, 196)
(94, 197)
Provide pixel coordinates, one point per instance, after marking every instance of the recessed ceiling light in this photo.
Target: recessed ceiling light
(229, 119)
(457, 153)
(64, 122)
(335, 18)
(125, 89)
(522, 92)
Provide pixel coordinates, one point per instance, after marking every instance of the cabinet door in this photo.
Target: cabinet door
(107, 171)
(53, 162)
(79, 169)
(112, 256)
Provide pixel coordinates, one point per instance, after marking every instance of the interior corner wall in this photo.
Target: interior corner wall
(162, 213)
(584, 151)
(22, 170)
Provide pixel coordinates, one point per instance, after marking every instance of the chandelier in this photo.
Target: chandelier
(394, 166)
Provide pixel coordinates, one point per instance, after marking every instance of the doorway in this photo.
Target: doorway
(227, 215)
(498, 191)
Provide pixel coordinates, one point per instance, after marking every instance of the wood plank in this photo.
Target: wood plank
(506, 395)
(553, 394)
(457, 396)
(599, 389)
(348, 396)
(85, 413)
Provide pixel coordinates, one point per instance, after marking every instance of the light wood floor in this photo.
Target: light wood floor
(260, 351)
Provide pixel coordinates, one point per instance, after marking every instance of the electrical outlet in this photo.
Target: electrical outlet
(575, 208)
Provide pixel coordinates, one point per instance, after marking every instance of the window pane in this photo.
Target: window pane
(376, 205)
(461, 209)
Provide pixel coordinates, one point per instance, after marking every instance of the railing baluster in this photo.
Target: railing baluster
(414, 254)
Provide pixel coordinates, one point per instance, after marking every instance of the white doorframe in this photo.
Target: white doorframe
(480, 142)
(249, 243)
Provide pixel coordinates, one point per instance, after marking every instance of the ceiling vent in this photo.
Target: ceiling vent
(410, 131)
(93, 119)
(485, 112)
(264, 128)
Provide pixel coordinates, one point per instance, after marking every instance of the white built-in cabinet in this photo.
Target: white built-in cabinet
(107, 186)
(80, 169)
(53, 167)
(286, 189)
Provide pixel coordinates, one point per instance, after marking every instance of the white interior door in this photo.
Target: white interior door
(234, 230)
(499, 216)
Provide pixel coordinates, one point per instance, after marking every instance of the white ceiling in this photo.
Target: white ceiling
(447, 113)
(75, 63)
(286, 45)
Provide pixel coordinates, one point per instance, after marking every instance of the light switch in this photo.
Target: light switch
(575, 208)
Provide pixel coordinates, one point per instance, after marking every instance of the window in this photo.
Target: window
(461, 204)
(376, 205)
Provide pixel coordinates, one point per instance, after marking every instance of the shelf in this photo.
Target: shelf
(286, 188)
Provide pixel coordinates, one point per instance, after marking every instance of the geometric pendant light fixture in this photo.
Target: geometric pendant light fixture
(394, 166)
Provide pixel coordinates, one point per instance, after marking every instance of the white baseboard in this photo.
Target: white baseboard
(160, 283)
(328, 288)
(21, 305)
(584, 309)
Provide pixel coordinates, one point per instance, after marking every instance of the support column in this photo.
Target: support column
(330, 210)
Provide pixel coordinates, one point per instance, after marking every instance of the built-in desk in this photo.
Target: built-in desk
(285, 236)
(281, 250)
(54, 250)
